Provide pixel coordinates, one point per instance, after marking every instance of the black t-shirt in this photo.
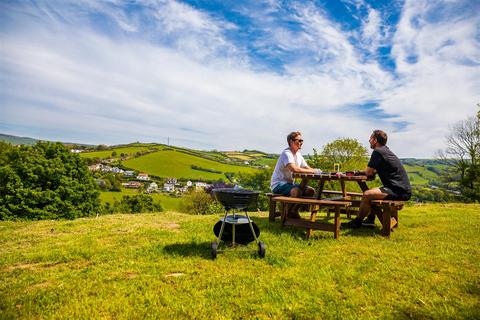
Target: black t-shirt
(390, 170)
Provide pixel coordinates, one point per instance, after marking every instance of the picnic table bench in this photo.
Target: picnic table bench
(315, 205)
(387, 213)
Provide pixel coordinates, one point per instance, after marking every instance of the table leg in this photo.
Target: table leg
(285, 208)
(363, 185)
(387, 220)
(313, 217)
(321, 183)
(344, 191)
(337, 222)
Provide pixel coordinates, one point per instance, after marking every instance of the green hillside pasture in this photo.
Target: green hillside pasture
(168, 203)
(173, 164)
(239, 155)
(108, 153)
(420, 174)
(266, 162)
(157, 266)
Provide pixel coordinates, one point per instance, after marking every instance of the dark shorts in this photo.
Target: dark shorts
(395, 195)
(284, 188)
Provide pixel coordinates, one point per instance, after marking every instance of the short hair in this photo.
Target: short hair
(381, 137)
(292, 135)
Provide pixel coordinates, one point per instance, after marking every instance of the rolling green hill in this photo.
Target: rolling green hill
(17, 140)
(128, 150)
(423, 172)
(176, 164)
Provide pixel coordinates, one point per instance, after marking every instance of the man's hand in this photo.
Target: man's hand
(370, 172)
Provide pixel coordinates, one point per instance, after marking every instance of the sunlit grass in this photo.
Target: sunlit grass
(169, 203)
(158, 266)
(174, 164)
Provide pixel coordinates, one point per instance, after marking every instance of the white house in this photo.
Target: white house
(172, 180)
(143, 176)
(189, 183)
(200, 185)
(153, 187)
(168, 187)
(117, 170)
(95, 167)
(105, 168)
(129, 173)
(182, 189)
(132, 184)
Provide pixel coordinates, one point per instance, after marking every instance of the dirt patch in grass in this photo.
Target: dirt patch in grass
(174, 274)
(77, 264)
(40, 285)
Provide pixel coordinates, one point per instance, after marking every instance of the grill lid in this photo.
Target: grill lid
(233, 198)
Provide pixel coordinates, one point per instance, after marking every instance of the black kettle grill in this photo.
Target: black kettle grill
(234, 228)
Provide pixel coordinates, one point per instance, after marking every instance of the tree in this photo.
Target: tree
(462, 154)
(349, 153)
(45, 181)
(260, 181)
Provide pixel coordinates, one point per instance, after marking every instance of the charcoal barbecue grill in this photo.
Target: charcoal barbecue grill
(234, 228)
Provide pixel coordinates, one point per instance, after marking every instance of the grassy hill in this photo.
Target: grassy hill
(423, 171)
(157, 266)
(169, 203)
(175, 164)
(128, 150)
(17, 140)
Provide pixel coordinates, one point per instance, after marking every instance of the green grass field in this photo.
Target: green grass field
(420, 174)
(168, 203)
(174, 164)
(157, 266)
(108, 153)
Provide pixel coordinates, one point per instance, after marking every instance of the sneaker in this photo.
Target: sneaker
(354, 224)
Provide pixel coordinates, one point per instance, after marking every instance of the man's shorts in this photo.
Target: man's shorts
(395, 195)
(284, 188)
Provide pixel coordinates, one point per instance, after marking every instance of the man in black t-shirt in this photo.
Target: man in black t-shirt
(396, 185)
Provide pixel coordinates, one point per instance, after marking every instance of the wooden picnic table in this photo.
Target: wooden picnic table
(323, 177)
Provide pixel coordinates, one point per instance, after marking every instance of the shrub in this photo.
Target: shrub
(200, 202)
(45, 181)
(137, 204)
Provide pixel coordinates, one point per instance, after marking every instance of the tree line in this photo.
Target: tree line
(47, 181)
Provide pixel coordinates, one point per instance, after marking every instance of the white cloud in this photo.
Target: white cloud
(200, 89)
(440, 88)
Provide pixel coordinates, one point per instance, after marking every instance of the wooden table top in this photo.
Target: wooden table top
(332, 176)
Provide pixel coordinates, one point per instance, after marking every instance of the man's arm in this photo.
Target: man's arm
(370, 172)
(296, 169)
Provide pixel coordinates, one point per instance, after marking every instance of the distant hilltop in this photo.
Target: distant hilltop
(30, 141)
(17, 140)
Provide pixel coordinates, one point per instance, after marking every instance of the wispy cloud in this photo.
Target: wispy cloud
(116, 71)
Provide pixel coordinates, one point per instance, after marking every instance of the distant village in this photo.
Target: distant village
(141, 180)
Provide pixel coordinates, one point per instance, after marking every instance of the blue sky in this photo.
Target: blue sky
(234, 75)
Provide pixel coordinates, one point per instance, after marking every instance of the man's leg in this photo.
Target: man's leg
(365, 206)
(295, 192)
(309, 191)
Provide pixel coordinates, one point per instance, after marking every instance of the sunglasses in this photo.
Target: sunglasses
(299, 140)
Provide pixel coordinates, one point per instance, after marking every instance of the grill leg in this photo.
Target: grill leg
(251, 227)
(222, 227)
